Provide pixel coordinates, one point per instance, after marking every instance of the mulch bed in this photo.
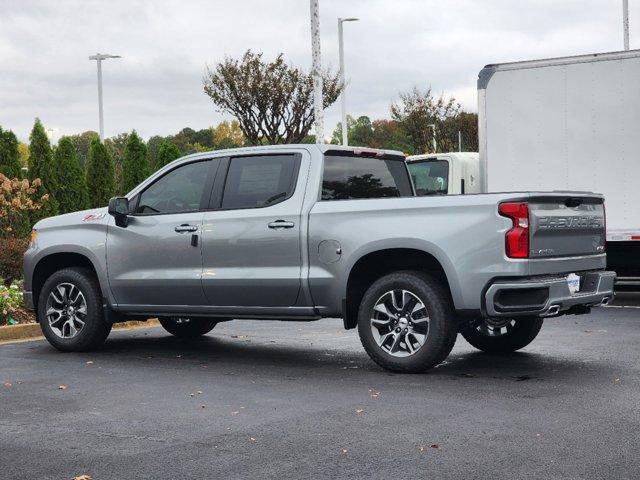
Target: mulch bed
(22, 315)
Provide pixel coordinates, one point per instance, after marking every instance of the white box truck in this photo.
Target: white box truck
(569, 123)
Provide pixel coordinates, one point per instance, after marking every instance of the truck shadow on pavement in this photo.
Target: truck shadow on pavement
(240, 354)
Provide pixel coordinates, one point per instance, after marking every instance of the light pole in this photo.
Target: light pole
(435, 145)
(316, 71)
(345, 134)
(98, 57)
(625, 23)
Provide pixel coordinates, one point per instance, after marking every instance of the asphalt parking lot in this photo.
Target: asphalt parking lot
(289, 400)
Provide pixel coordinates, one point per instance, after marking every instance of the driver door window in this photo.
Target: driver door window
(179, 191)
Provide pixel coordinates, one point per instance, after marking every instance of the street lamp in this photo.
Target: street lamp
(435, 145)
(345, 135)
(99, 57)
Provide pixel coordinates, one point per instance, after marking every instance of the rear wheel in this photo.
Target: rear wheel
(187, 327)
(70, 311)
(406, 323)
(502, 336)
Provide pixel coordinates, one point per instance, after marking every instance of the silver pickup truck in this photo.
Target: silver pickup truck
(301, 232)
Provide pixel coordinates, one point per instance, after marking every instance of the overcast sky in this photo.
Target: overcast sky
(156, 87)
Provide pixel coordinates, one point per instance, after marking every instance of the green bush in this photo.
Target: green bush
(135, 167)
(72, 192)
(168, 153)
(41, 166)
(101, 182)
(9, 155)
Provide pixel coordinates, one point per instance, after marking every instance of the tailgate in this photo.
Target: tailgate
(564, 225)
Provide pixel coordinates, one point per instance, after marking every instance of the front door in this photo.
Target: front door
(156, 260)
(251, 239)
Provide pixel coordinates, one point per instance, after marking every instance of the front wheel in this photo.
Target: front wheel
(406, 323)
(70, 311)
(187, 327)
(503, 336)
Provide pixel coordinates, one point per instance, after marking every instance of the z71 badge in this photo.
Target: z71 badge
(92, 217)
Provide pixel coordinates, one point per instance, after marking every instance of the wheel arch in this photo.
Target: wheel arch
(55, 261)
(377, 263)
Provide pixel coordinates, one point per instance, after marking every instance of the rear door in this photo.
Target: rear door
(251, 246)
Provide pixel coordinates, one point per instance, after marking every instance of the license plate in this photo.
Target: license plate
(573, 282)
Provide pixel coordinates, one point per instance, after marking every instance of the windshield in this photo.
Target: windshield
(430, 177)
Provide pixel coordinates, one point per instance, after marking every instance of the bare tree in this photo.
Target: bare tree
(272, 101)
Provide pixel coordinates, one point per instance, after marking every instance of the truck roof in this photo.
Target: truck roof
(323, 147)
(487, 72)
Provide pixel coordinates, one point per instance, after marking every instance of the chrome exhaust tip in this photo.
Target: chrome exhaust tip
(552, 310)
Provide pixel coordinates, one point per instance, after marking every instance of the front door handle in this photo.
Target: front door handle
(278, 224)
(186, 228)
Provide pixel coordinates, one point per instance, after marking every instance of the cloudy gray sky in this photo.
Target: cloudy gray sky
(156, 87)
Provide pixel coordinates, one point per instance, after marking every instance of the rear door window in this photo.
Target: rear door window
(352, 177)
(259, 181)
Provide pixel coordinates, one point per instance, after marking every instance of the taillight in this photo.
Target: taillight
(517, 238)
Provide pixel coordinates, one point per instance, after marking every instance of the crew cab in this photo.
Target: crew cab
(302, 232)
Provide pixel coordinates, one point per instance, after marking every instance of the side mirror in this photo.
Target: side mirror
(119, 209)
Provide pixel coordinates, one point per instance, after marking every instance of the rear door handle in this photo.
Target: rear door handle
(186, 228)
(278, 224)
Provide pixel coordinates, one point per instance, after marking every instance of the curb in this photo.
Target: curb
(31, 331)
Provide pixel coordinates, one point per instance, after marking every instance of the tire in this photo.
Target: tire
(431, 331)
(186, 327)
(66, 315)
(515, 334)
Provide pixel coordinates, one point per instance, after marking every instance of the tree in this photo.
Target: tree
(41, 166)
(272, 101)
(116, 146)
(228, 135)
(23, 155)
(135, 166)
(416, 111)
(72, 192)
(185, 140)
(82, 143)
(167, 154)
(153, 149)
(387, 134)
(360, 132)
(9, 154)
(100, 174)
(467, 124)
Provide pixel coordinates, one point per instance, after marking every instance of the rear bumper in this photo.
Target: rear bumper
(547, 296)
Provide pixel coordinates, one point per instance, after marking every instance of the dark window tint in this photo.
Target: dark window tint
(178, 191)
(430, 176)
(259, 181)
(347, 178)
